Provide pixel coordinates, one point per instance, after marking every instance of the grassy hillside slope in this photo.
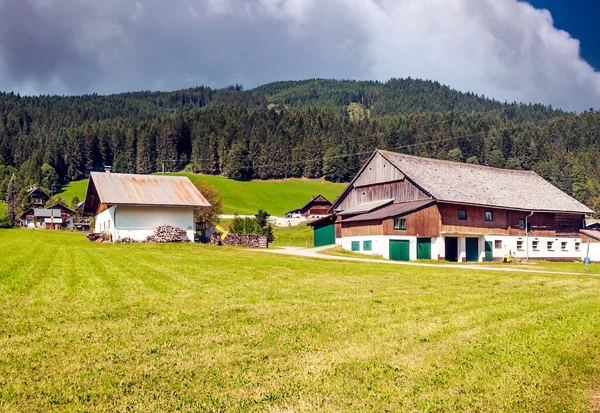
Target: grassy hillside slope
(245, 198)
(145, 327)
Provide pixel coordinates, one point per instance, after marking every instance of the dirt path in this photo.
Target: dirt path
(315, 253)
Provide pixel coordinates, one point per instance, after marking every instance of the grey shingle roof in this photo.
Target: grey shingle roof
(462, 183)
(130, 189)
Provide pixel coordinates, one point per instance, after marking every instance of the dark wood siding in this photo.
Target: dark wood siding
(423, 223)
(568, 224)
(401, 191)
(506, 222)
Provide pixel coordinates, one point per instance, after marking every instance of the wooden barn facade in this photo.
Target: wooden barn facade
(405, 208)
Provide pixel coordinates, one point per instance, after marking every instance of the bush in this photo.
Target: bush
(6, 222)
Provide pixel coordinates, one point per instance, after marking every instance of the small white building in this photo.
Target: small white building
(128, 205)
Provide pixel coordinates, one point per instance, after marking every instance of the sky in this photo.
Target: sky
(544, 51)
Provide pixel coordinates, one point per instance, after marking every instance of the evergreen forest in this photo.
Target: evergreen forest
(309, 128)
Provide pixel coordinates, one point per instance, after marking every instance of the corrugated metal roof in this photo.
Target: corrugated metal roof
(464, 183)
(130, 189)
(365, 207)
(393, 210)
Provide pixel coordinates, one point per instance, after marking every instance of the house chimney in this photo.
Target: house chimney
(107, 168)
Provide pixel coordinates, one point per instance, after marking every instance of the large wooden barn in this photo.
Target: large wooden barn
(127, 205)
(406, 207)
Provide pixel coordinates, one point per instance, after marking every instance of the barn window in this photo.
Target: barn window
(498, 244)
(519, 245)
(535, 245)
(489, 215)
(462, 214)
(400, 224)
(550, 245)
(577, 246)
(563, 246)
(367, 246)
(355, 246)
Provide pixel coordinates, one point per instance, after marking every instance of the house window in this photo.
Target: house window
(489, 215)
(498, 244)
(563, 246)
(577, 246)
(462, 214)
(400, 224)
(367, 246)
(535, 245)
(521, 223)
(519, 245)
(355, 246)
(550, 245)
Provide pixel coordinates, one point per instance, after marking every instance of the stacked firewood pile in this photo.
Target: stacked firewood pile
(167, 233)
(241, 240)
(127, 240)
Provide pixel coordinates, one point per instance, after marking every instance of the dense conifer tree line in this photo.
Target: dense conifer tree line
(290, 129)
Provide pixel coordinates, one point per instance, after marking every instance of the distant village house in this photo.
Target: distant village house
(37, 196)
(54, 217)
(317, 207)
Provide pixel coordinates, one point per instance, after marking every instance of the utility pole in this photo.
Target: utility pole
(587, 255)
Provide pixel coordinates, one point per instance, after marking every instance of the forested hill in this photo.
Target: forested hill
(289, 129)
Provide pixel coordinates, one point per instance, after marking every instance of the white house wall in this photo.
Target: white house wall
(138, 222)
(105, 222)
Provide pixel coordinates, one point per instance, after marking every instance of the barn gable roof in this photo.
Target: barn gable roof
(147, 190)
(462, 183)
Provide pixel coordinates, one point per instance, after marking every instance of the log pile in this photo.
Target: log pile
(241, 240)
(127, 240)
(167, 233)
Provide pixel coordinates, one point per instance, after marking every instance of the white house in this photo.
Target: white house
(128, 205)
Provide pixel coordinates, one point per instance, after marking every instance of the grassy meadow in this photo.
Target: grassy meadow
(140, 327)
(246, 198)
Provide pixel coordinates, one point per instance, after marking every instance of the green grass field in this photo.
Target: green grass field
(246, 198)
(113, 327)
(73, 189)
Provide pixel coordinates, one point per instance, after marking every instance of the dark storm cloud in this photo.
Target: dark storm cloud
(502, 48)
(38, 43)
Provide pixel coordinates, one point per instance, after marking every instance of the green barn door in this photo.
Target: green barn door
(423, 248)
(399, 250)
(325, 236)
(489, 254)
(472, 249)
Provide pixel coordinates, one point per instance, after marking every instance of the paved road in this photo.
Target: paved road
(314, 253)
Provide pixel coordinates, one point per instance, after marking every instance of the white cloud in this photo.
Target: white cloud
(504, 49)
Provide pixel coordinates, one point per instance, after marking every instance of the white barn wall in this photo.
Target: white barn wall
(138, 222)
(380, 246)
